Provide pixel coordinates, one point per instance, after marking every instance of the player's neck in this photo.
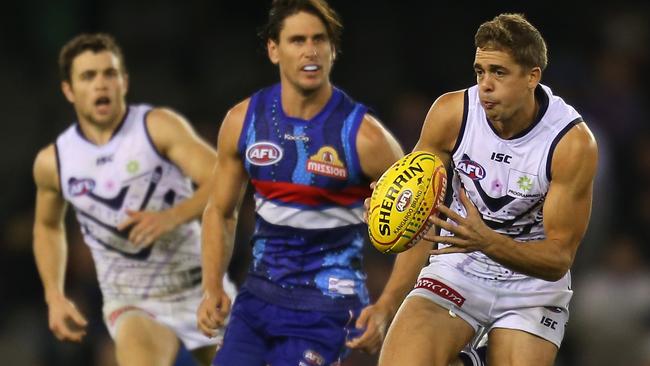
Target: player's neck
(520, 121)
(304, 105)
(100, 133)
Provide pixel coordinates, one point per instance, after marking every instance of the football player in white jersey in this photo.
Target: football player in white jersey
(523, 163)
(144, 237)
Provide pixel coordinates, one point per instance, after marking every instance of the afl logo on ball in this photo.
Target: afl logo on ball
(404, 200)
(263, 153)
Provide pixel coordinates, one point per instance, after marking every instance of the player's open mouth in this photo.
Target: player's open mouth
(103, 103)
(310, 68)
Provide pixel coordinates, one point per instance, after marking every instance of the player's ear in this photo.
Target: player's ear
(272, 49)
(66, 88)
(534, 77)
(126, 83)
(333, 53)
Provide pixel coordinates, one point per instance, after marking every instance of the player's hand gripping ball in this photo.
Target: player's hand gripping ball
(405, 195)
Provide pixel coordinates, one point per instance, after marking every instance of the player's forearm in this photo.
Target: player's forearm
(216, 247)
(50, 253)
(193, 207)
(405, 272)
(545, 259)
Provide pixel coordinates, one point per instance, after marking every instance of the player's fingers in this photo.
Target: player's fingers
(77, 318)
(126, 223)
(443, 224)
(452, 240)
(362, 320)
(373, 184)
(449, 250)
(449, 213)
(469, 205)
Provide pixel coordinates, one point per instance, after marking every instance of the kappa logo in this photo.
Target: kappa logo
(441, 290)
(326, 162)
(264, 153)
(80, 187)
(404, 200)
(471, 169)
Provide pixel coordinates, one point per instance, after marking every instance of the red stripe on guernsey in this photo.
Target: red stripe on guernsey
(308, 195)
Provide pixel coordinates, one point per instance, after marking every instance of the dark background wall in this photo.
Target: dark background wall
(201, 57)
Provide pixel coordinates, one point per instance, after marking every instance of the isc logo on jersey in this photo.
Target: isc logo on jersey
(263, 153)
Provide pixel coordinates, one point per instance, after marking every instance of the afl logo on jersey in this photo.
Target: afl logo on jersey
(471, 169)
(263, 153)
(79, 187)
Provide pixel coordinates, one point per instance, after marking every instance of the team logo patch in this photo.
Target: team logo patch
(341, 286)
(326, 162)
(441, 290)
(313, 358)
(79, 187)
(264, 153)
(471, 169)
(404, 200)
(523, 185)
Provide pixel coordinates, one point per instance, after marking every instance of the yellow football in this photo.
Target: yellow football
(405, 195)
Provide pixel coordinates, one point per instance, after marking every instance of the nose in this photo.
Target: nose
(485, 83)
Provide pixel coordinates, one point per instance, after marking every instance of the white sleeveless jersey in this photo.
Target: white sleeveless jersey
(102, 182)
(507, 180)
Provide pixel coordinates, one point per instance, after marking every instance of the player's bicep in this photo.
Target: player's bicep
(229, 173)
(50, 205)
(442, 126)
(568, 203)
(175, 138)
(377, 148)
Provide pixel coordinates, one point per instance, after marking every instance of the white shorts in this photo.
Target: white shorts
(178, 313)
(533, 305)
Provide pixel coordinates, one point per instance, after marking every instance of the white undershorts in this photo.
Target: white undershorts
(530, 304)
(178, 313)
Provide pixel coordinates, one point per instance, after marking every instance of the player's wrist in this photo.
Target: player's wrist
(54, 296)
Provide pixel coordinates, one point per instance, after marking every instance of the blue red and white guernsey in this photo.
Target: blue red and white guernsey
(309, 193)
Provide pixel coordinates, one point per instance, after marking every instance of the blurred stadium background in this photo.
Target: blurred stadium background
(201, 57)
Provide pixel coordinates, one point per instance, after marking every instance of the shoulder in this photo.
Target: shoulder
(377, 147)
(234, 119)
(442, 123)
(45, 168)
(372, 129)
(163, 119)
(576, 152)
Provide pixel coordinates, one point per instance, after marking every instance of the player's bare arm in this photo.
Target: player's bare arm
(175, 139)
(219, 221)
(378, 150)
(566, 215)
(50, 248)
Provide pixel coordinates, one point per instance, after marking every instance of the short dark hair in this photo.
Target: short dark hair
(282, 9)
(514, 34)
(95, 42)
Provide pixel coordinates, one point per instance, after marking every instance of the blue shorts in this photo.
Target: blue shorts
(260, 334)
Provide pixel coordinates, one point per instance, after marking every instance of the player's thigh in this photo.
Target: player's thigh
(204, 355)
(424, 333)
(512, 347)
(140, 340)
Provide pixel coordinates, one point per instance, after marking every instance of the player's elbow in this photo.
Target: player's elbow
(559, 268)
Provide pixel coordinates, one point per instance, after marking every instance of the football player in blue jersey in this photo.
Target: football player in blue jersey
(309, 151)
